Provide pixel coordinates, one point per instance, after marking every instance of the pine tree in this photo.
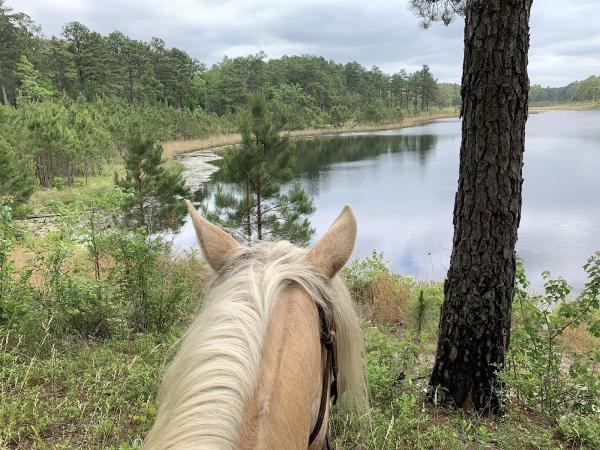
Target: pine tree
(157, 195)
(475, 320)
(259, 168)
(90, 59)
(427, 87)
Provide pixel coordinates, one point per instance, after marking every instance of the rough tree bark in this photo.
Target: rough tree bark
(475, 321)
(4, 97)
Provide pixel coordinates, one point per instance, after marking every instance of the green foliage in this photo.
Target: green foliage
(292, 109)
(388, 360)
(424, 307)
(381, 294)
(32, 86)
(16, 184)
(102, 393)
(580, 431)
(339, 115)
(303, 89)
(67, 301)
(155, 287)
(437, 10)
(261, 207)
(362, 274)
(538, 368)
(17, 31)
(157, 196)
(578, 91)
(62, 138)
(12, 289)
(90, 276)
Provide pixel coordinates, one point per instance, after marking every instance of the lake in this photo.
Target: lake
(402, 183)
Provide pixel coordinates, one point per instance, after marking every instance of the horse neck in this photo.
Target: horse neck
(285, 403)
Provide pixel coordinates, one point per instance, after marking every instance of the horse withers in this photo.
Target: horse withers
(254, 369)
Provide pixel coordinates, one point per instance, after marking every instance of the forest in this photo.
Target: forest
(94, 299)
(578, 91)
(83, 63)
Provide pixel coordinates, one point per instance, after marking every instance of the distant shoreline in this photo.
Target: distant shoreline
(575, 106)
(175, 149)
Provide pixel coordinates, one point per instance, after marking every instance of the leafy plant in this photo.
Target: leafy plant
(538, 369)
(13, 288)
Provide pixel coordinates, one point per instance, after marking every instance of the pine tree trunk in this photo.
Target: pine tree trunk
(4, 97)
(476, 315)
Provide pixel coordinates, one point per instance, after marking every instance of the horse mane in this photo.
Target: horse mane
(213, 376)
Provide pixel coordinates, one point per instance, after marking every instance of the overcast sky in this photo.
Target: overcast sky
(565, 35)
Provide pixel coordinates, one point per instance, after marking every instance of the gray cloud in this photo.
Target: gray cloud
(565, 39)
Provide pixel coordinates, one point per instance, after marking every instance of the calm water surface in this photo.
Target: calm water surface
(401, 184)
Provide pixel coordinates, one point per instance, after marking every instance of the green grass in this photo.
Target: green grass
(42, 199)
(101, 394)
(401, 418)
(84, 395)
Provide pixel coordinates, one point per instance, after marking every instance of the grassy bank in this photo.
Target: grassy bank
(60, 391)
(101, 395)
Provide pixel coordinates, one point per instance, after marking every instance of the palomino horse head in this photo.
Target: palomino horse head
(251, 369)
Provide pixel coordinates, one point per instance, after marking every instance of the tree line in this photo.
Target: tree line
(578, 91)
(82, 62)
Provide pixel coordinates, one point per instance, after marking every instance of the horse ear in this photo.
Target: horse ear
(334, 248)
(216, 244)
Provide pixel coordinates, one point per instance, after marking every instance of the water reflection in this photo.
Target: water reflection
(319, 156)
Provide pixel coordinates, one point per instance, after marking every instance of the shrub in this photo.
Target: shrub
(158, 289)
(90, 276)
(67, 298)
(339, 115)
(539, 370)
(13, 286)
(381, 294)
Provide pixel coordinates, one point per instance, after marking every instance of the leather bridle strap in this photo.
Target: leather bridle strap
(322, 407)
(327, 340)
